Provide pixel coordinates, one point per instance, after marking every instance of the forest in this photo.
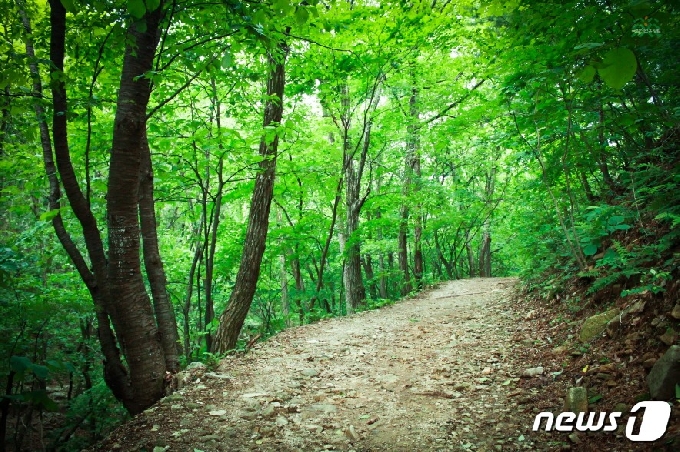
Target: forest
(180, 179)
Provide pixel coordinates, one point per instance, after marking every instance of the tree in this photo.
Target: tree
(231, 320)
(145, 335)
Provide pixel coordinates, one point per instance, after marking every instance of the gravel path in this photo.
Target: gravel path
(436, 372)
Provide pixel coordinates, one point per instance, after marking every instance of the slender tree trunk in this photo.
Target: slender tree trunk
(285, 300)
(211, 239)
(485, 253)
(354, 287)
(327, 245)
(413, 154)
(186, 310)
(406, 286)
(367, 262)
(241, 297)
(165, 315)
(471, 259)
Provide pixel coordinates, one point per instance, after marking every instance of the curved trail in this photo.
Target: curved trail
(432, 373)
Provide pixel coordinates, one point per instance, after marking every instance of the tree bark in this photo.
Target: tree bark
(165, 315)
(418, 264)
(241, 297)
(132, 314)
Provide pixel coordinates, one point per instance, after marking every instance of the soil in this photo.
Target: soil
(446, 370)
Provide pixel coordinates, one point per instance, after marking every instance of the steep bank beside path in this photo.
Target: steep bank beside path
(437, 372)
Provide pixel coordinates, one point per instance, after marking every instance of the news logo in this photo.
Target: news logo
(653, 426)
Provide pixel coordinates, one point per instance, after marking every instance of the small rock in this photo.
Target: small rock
(665, 374)
(314, 428)
(351, 433)
(324, 407)
(636, 308)
(216, 376)
(462, 386)
(155, 428)
(253, 395)
(669, 337)
(576, 400)
(196, 365)
(193, 405)
(634, 337)
(281, 421)
(613, 326)
(620, 408)
(610, 367)
(176, 397)
(675, 313)
(533, 371)
(649, 363)
(595, 325)
(176, 406)
(309, 372)
(486, 371)
(573, 437)
(560, 349)
(210, 438)
(268, 411)
(160, 449)
(217, 412)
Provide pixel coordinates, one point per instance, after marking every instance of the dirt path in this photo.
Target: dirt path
(434, 373)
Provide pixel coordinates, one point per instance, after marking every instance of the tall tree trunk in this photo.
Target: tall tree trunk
(413, 154)
(354, 287)
(402, 255)
(367, 262)
(241, 297)
(214, 222)
(165, 315)
(485, 253)
(132, 313)
(186, 309)
(285, 300)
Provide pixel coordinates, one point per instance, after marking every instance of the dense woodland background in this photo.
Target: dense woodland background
(411, 142)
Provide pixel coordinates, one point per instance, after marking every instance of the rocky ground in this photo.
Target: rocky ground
(465, 366)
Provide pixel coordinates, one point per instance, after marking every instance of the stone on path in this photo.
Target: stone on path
(576, 400)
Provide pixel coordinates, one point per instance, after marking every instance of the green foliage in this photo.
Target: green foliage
(551, 127)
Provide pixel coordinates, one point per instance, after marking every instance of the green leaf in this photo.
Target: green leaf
(69, 5)
(49, 215)
(616, 219)
(137, 8)
(227, 60)
(20, 364)
(301, 15)
(152, 5)
(589, 45)
(590, 249)
(595, 398)
(40, 371)
(618, 67)
(587, 74)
